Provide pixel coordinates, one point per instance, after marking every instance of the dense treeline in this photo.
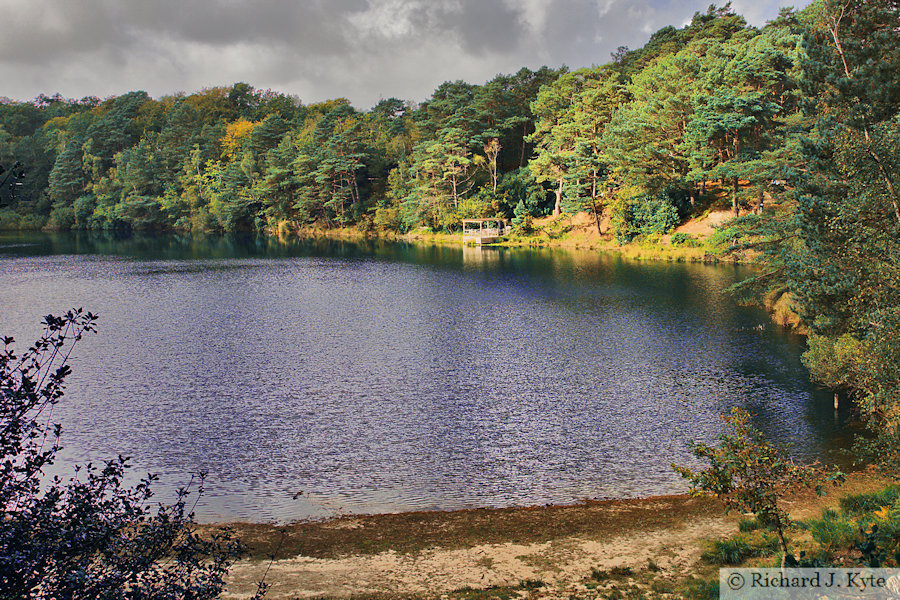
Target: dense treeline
(236, 158)
(713, 101)
(796, 123)
(834, 242)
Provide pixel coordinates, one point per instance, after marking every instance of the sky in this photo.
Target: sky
(363, 50)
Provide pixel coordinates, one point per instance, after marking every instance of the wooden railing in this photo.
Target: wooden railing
(492, 232)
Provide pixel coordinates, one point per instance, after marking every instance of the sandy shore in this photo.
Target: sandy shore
(536, 552)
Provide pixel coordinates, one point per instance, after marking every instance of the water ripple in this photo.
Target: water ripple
(395, 378)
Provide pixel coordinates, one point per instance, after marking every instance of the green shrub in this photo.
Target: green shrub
(738, 548)
(32, 222)
(859, 504)
(698, 589)
(748, 473)
(62, 218)
(84, 211)
(519, 186)
(683, 239)
(731, 551)
(723, 237)
(880, 544)
(833, 531)
(387, 218)
(522, 219)
(645, 215)
(91, 535)
(9, 220)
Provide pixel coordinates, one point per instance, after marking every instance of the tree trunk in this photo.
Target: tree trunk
(455, 197)
(834, 23)
(524, 134)
(779, 530)
(557, 208)
(596, 214)
(884, 175)
(734, 201)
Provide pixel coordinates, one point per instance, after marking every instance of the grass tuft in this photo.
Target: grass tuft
(736, 549)
(859, 504)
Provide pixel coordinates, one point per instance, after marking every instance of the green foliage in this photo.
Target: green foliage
(838, 362)
(724, 237)
(865, 532)
(10, 220)
(89, 536)
(834, 531)
(858, 504)
(749, 474)
(387, 219)
(572, 114)
(647, 215)
(698, 589)
(746, 525)
(833, 248)
(522, 218)
(62, 218)
(736, 549)
(683, 239)
(475, 208)
(66, 181)
(519, 187)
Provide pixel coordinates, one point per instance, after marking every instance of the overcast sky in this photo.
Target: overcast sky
(317, 49)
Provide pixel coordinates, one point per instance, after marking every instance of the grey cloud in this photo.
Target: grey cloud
(487, 26)
(86, 25)
(48, 30)
(361, 49)
(312, 24)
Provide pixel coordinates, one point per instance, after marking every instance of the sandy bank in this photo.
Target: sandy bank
(431, 554)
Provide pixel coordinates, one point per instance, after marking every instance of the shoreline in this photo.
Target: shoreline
(429, 554)
(465, 525)
(659, 250)
(569, 232)
(328, 537)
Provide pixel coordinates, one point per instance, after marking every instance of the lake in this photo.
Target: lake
(379, 377)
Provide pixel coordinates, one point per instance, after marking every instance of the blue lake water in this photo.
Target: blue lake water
(379, 377)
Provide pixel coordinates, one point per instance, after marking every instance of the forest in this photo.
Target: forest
(794, 126)
(640, 136)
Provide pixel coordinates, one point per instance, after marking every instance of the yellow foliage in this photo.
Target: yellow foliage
(235, 134)
(210, 102)
(784, 314)
(327, 106)
(837, 362)
(56, 123)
